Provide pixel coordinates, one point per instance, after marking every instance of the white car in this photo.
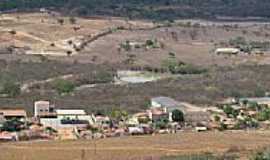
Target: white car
(135, 130)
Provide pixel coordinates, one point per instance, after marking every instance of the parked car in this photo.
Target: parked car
(135, 130)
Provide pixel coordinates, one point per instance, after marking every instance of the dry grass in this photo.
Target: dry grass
(137, 147)
(38, 31)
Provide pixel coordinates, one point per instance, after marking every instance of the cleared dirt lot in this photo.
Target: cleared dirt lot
(39, 30)
(138, 147)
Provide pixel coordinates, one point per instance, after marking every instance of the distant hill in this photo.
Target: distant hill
(150, 9)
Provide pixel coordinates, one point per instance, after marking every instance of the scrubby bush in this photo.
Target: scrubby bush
(222, 126)
(9, 86)
(230, 112)
(64, 86)
(238, 41)
(246, 123)
(72, 20)
(263, 115)
(118, 114)
(126, 46)
(11, 89)
(191, 157)
(149, 42)
(143, 120)
(261, 155)
(103, 77)
(217, 118)
(177, 67)
(161, 123)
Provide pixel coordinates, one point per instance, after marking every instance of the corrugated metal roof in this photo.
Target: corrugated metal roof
(42, 102)
(257, 99)
(70, 112)
(166, 101)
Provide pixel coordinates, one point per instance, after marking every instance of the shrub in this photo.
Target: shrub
(118, 114)
(61, 21)
(64, 86)
(238, 41)
(246, 123)
(177, 67)
(189, 69)
(162, 123)
(191, 157)
(222, 126)
(126, 46)
(171, 63)
(143, 120)
(11, 89)
(72, 20)
(149, 42)
(263, 115)
(261, 155)
(103, 77)
(13, 32)
(9, 86)
(230, 111)
(217, 118)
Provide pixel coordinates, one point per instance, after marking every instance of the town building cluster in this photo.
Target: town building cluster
(164, 115)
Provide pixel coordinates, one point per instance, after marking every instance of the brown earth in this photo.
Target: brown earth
(194, 44)
(133, 148)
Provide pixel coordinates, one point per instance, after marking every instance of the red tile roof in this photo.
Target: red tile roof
(13, 112)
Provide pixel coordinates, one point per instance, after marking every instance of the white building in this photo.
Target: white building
(44, 109)
(68, 118)
(70, 113)
(227, 51)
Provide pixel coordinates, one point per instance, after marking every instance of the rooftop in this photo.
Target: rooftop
(14, 112)
(256, 99)
(231, 50)
(166, 101)
(70, 112)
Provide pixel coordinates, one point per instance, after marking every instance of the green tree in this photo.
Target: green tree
(171, 63)
(161, 123)
(119, 115)
(177, 116)
(223, 126)
(12, 125)
(217, 118)
(149, 43)
(263, 115)
(230, 111)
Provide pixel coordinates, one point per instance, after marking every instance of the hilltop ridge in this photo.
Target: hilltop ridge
(151, 9)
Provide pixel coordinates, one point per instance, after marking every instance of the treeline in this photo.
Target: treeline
(150, 9)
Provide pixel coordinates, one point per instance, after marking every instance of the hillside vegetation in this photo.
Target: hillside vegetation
(151, 9)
